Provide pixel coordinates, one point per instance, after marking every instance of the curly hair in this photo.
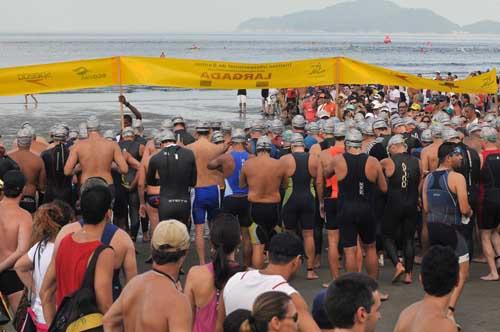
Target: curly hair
(47, 222)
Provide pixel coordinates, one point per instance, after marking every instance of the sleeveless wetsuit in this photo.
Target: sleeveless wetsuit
(355, 210)
(59, 186)
(130, 199)
(298, 203)
(235, 198)
(489, 190)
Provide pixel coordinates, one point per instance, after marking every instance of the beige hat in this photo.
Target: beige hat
(170, 235)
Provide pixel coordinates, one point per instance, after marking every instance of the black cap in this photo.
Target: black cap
(286, 244)
(13, 182)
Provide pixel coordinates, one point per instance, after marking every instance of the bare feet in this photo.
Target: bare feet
(480, 259)
(400, 270)
(311, 275)
(490, 277)
(408, 278)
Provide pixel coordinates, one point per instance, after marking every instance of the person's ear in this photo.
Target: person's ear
(275, 324)
(361, 315)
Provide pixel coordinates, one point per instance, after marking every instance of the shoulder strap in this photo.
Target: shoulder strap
(88, 280)
(109, 232)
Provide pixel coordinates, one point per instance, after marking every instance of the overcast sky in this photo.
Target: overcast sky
(111, 16)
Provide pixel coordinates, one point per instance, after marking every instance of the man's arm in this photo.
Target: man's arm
(42, 178)
(381, 182)
(48, 292)
(113, 320)
(130, 262)
(243, 177)
(320, 185)
(306, 322)
(103, 282)
(134, 110)
(120, 160)
(216, 163)
(23, 243)
(72, 161)
(461, 190)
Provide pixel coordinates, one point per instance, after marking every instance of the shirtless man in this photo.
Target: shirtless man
(264, 196)
(235, 199)
(38, 144)
(358, 175)
(430, 313)
(153, 301)
(15, 227)
(96, 156)
(207, 191)
(429, 155)
(299, 206)
(32, 167)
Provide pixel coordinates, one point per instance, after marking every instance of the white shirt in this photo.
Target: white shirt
(243, 288)
(42, 261)
(394, 96)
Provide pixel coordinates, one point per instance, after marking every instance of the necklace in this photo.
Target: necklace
(167, 275)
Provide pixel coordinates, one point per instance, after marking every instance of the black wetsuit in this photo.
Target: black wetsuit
(7, 164)
(59, 186)
(489, 194)
(355, 203)
(400, 217)
(299, 201)
(129, 204)
(176, 167)
(183, 136)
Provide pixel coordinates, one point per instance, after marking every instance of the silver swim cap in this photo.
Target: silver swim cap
(277, 127)
(353, 138)
(367, 129)
(167, 124)
(329, 127)
(128, 131)
(497, 123)
(490, 118)
(263, 144)
(167, 136)
(379, 124)
(287, 136)
(473, 127)
(60, 133)
(93, 123)
(226, 127)
(203, 127)
(489, 134)
(426, 136)
(258, 126)
(217, 137)
(109, 135)
(449, 133)
(396, 139)
(137, 124)
(299, 122)
(82, 131)
(24, 137)
(238, 136)
(313, 128)
(297, 140)
(437, 130)
(178, 120)
(340, 130)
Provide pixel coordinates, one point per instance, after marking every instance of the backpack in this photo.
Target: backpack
(78, 311)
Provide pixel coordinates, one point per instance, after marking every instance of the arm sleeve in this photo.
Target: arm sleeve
(151, 176)
(194, 173)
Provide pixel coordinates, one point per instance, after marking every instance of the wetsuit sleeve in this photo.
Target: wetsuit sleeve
(151, 176)
(194, 173)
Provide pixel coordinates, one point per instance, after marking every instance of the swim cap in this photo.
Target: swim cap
(313, 128)
(329, 127)
(238, 136)
(60, 133)
(489, 134)
(178, 120)
(217, 137)
(409, 121)
(396, 139)
(426, 136)
(92, 123)
(353, 138)
(226, 127)
(215, 125)
(167, 136)
(436, 130)
(340, 130)
(456, 121)
(448, 134)
(359, 117)
(299, 122)
(167, 124)
(73, 134)
(128, 131)
(202, 127)
(109, 135)
(367, 129)
(247, 125)
(258, 126)
(287, 136)
(472, 127)
(422, 126)
(379, 124)
(82, 130)
(297, 140)
(277, 126)
(489, 118)
(24, 137)
(157, 139)
(263, 143)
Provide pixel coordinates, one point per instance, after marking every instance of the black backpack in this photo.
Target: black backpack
(78, 311)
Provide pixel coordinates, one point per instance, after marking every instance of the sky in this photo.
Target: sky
(160, 16)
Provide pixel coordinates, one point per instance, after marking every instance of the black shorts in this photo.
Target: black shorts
(153, 200)
(299, 210)
(489, 214)
(10, 283)
(175, 208)
(28, 203)
(356, 219)
(237, 206)
(265, 218)
(331, 214)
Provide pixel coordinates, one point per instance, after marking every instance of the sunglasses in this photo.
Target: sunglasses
(426, 121)
(295, 317)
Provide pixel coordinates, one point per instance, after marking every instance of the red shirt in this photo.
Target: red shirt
(72, 259)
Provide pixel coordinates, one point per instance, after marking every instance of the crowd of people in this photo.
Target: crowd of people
(365, 171)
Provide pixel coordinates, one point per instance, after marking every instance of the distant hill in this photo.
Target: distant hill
(486, 26)
(363, 16)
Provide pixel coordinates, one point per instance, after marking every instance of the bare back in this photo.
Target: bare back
(205, 151)
(96, 156)
(429, 157)
(263, 175)
(150, 302)
(419, 318)
(33, 168)
(13, 221)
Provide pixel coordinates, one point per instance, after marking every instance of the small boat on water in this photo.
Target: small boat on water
(387, 40)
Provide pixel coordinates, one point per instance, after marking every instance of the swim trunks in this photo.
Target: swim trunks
(237, 206)
(28, 203)
(153, 200)
(206, 203)
(265, 218)
(10, 283)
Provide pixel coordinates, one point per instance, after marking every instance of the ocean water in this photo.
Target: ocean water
(458, 53)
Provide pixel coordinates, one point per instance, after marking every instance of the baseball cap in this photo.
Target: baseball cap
(322, 114)
(416, 107)
(13, 182)
(170, 236)
(286, 244)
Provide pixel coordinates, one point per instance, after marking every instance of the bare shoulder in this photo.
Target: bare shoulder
(122, 239)
(25, 216)
(197, 272)
(373, 161)
(67, 229)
